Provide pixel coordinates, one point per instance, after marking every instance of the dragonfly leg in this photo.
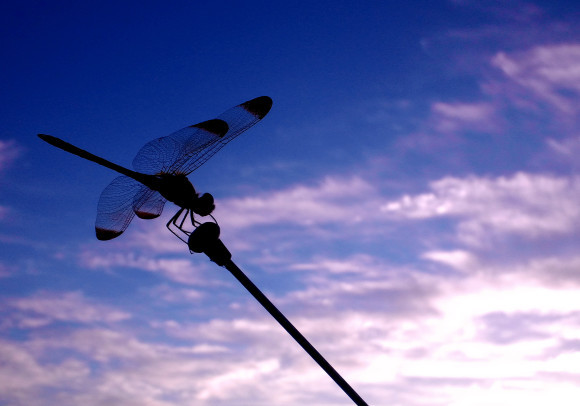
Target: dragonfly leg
(174, 227)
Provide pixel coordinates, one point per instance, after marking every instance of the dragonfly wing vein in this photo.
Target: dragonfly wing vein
(239, 119)
(148, 204)
(115, 208)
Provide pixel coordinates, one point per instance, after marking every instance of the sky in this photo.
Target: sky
(410, 203)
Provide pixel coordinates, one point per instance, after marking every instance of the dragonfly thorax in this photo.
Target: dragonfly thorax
(175, 188)
(179, 190)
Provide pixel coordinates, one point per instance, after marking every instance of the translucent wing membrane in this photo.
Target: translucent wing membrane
(166, 154)
(157, 156)
(148, 204)
(115, 208)
(187, 149)
(120, 201)
(239, 119)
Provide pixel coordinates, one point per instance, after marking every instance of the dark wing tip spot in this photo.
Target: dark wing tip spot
(146, 215)
(216, 126)
(104, 234)
(259, 107)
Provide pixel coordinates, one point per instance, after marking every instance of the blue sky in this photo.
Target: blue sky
(411, 203)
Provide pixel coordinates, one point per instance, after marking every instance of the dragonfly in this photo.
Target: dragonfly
(161, 168)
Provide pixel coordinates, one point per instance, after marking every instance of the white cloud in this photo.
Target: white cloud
(529, 205)
(458, 259)
(332, 200)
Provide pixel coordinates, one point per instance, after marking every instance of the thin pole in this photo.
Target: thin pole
(289, 327)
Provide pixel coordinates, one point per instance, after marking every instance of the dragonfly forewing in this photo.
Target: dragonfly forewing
(239, 119)
(165, 154)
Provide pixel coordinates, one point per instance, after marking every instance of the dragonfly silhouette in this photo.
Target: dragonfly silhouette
(161, 169)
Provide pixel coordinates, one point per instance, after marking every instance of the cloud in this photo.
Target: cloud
(357, 264)
(175, 269)
(568, 147)
(330, 201)
(524, 204)
(393, 332)
(4, 271)
(45, 308)
(457, 259)
(4, 211)
(454, 117)
(9, 152)
(551, 73)
(25, 378)
(176, 295)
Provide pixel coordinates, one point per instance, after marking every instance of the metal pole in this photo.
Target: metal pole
(205, 238)
(289, 327)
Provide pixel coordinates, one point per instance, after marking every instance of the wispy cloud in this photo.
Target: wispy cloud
(9, 152)
(45, 308)
(454, 117)
(4, 211)
(550, 73)
(181, 270)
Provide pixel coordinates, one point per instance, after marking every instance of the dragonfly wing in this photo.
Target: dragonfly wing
(120, 201)
(187, 149)
(238, 119)
(163, 154)
(156, 156)
(148, 204)
(115, 208)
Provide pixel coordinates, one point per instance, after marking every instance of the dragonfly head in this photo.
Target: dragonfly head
(204, 205)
